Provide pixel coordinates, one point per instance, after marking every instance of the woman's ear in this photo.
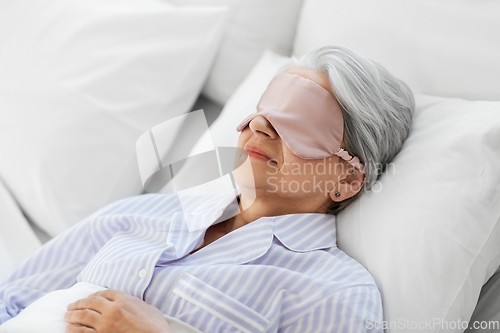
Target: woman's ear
(348, 186)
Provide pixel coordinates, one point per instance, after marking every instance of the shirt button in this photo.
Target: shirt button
(142, 273)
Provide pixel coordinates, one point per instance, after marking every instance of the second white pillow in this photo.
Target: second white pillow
(81, 80)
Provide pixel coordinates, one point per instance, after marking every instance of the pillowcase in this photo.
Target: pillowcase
(81, 80)
(429, 232)
(46, 314)
(444, 48)
(253, 26)
(17, 239)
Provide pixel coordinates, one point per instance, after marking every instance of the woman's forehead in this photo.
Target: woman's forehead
(315, 75)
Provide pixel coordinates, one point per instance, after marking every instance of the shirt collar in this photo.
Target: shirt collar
(201, 211)
(298, 232)
(306, 232)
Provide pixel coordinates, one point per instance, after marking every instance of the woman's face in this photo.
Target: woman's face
(278, 174)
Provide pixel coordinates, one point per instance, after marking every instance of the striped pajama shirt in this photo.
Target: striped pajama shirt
(276, 274)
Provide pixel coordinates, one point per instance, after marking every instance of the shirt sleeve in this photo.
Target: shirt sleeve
(353, 309)
(53, 266)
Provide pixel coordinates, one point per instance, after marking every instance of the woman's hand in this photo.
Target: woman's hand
(114, 311)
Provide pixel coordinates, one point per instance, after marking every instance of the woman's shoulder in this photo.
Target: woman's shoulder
(329, 266)
(352, 271)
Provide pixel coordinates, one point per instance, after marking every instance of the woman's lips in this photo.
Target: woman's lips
(257, 153)
(257, 156)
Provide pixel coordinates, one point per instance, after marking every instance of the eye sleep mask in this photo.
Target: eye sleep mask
(306, 117)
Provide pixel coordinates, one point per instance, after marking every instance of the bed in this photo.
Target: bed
(81, 81)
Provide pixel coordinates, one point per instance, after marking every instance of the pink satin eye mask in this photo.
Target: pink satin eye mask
(306, 117)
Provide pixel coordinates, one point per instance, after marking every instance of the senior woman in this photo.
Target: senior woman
(324, 129)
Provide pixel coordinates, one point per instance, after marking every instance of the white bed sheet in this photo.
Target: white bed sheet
(17, 239)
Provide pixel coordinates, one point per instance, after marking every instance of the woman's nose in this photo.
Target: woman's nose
(262, 127)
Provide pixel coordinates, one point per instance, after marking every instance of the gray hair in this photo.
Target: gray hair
(377, 107)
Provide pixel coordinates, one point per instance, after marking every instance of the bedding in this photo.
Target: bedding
(46, 314)
(253, 26)
(17, 240)
(445, 48)
(487, 311)
(429, 232)
(210, 108)
(193, 125)
(81, 80)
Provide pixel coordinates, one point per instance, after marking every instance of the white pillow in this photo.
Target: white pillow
(430, 232)
(254, 25)
(17, 239)
(80, 81)
(444, 48)
(46, 314)
(431, 235)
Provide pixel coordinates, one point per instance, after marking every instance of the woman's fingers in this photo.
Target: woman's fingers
(74, 328)
(85, 317)
(110, 294)
(96, 303)
(114, 311)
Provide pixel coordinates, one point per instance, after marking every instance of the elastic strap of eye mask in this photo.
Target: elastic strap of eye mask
(353, 160)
